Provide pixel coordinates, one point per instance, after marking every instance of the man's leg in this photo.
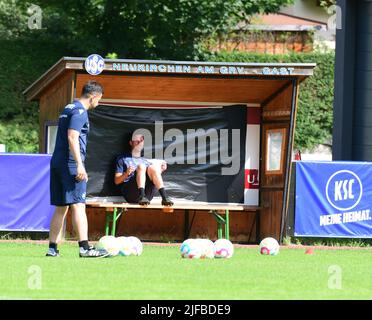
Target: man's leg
(141, 176)
(80, 221)
(56, 229)
(154, 173)
(141, 181)
(80, 224)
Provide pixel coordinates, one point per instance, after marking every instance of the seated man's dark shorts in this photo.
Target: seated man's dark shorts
(130, 189)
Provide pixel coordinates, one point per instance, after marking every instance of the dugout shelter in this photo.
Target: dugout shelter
(227, 129)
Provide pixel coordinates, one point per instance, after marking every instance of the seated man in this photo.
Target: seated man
(139, 177)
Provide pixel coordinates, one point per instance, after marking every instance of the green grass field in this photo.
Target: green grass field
(160, 273)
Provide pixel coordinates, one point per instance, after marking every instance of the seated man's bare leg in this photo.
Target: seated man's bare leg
(141, 181)
(154, 172)
(141, 175)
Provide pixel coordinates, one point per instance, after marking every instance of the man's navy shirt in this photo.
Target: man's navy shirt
(124, 161)
(74, 116)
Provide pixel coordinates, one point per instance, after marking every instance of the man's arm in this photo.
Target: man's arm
(120, 177)
(74, 145)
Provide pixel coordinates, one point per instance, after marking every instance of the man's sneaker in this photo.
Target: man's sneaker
(143, 201)
(167, 202)
(93, 253)
(52, 253)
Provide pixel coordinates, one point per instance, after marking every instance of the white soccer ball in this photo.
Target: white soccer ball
(190, 249)
(136, 245)
(110, 244)
(125, 246)
(269, 246)
(223, 248)
(206, 248)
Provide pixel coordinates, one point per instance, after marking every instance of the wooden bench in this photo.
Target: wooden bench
(220, 211)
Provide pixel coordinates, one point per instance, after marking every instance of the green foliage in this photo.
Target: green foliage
(22, 62)
(20, 137)
(156, 29)
(315, 106)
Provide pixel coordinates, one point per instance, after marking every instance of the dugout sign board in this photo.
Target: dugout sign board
(333, 199)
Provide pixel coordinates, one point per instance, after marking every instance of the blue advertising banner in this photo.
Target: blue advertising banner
(24, 192)
(333, 199)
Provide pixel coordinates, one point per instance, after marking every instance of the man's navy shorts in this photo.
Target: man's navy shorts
(64, 188)
(130, 190)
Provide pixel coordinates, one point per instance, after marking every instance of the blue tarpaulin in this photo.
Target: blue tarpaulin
(333, 199)
(24, 192)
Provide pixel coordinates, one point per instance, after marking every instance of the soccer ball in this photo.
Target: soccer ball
(190, 248)
(269, 246)
(125, 246)
(206, 248)
(223, 248)
(136, 246)
(110, 244)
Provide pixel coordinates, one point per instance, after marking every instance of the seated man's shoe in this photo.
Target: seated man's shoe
(93, 253)
(167, 202)
(143, 201)
(52, 253)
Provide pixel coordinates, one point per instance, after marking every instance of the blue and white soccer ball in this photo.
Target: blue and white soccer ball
(190, 249)
(269, 246)
(110, 244)
(125, 246)
(130, 246)
(223, 248)
(136, 246)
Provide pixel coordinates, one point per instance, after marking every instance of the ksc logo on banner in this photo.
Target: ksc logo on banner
(333, 199)
(344, 190)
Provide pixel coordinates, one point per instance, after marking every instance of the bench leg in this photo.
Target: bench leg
(112, 217)
(227, 225)
(107, 226)
(220, 222)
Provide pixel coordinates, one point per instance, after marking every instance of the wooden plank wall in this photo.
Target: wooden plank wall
(177, 88)
(155, 225)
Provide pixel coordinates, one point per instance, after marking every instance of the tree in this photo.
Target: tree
(165, 29)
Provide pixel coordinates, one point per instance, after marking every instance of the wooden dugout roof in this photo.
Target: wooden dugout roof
(247, 81)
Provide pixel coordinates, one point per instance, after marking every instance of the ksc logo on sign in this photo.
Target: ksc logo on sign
(344, 190)
(94, 64)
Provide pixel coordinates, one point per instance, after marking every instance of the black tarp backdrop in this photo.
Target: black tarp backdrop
(110, 128)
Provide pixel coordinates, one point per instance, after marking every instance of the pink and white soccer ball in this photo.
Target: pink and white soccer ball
(206, 247)
(269, 246)
(223, 248)
(190, 249)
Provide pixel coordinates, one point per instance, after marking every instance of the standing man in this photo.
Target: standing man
(68, 178)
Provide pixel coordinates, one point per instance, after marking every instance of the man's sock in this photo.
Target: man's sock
(163, 193)
(84, 244)
(53, 245)
(141, 192)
